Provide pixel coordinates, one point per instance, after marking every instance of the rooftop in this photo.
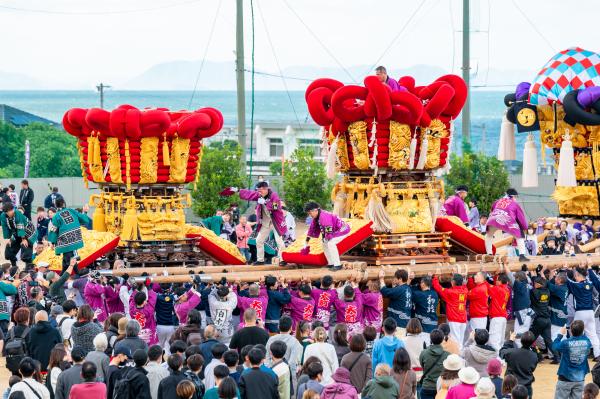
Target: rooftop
(19, 118)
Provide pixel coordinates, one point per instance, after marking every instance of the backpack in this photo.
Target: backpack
(111, 338)
(15, 349)
(596, 373)
(122, 386)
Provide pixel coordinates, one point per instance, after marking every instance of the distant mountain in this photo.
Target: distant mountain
(17, 81)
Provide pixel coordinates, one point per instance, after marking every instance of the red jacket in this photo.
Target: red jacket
(456, 301)
(499, 294)
(478, 299)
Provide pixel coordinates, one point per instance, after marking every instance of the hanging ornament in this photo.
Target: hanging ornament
(566, 163)
(529, 176)
(507, 148)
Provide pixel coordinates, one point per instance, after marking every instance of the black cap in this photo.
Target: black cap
(262, 184)
(123, 350)
(310, 206)
(512, 192)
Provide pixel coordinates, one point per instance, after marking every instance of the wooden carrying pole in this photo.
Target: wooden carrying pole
(363, 273)
(137, 271)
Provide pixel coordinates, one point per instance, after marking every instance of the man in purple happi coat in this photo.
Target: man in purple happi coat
(141, 308)
(323, 298)
(508, 216)
(331, 228)
(381, 73)
(95, 296)
(350, 309)
(269, 216)
(455, 205)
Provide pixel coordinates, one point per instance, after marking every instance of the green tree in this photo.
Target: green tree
(304, 179)
(485, 176)
(222, 166)
(53, 152)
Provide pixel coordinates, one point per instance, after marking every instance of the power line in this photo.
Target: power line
(533, 26)
(397, 36)
(319, 41)
(210, 35)
(113, 12)
(277, 62)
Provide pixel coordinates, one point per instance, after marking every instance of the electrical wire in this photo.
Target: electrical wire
(533, 26)
(277, 62)
(319, 41)
(210, 36)
(392, 43)
(114, 12)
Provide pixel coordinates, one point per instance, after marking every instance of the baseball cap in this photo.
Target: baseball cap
(123, 350)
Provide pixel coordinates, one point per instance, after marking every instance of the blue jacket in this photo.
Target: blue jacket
(276, 300)
(400, 306)
(521, 300)
(425, 303)
(573, 360)
(582, 294)
(558, 303)
(165, 309)
(384, 350)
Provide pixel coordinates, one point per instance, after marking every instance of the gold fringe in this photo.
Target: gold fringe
(165, 149)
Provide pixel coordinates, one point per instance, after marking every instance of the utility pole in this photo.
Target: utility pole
(101, 88)
(239, 70)
(466, 70)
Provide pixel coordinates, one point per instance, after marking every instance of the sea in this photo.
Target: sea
(487, 108)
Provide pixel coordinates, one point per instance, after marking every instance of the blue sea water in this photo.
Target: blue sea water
(487, 108)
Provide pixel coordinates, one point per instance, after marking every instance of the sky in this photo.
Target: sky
(83, 42)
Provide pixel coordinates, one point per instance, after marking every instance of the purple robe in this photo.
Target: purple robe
(350, 312)
(113, 301)
(455, 206)
(145, 316)
(258, 303)
(273, 205)
(373, 309)
(507, 215)
(182, 309)
(393, 85)
(301, 309)
(323, 304)
(95, 297)
(329, 225)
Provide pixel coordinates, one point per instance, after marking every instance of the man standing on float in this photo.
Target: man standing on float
(269, 215)
(508, 216)
(333, 230)
(64, 231)
(455, 205)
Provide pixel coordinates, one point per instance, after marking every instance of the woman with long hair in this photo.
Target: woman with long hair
(303, 372)
(340, 340)
(404, 375)
(303, 336)
(415, 342)
(111, 330)
(57, 364)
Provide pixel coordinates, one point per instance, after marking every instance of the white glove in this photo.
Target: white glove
(234, 189)
(261, 201)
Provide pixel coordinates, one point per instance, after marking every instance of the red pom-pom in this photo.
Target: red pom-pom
(344, 103)
(380, 95)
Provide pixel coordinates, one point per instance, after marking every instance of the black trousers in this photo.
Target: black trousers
(66, 261)
(11, 251)
(542, 326)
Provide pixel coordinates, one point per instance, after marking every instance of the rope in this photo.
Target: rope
(533, 26)
(116, 12)
(253, 72)
(210, 35)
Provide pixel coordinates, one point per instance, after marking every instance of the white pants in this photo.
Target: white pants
(589, 322)
(331, 251)
(489, 241)
(478, 323)
(522, 326)
(497, 332)
(263, 235)
(457, 331)
(164, 334)
(554, 330)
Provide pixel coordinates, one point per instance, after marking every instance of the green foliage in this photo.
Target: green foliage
(304, 180)
(53, 152)
(222, 166)
(485, 176)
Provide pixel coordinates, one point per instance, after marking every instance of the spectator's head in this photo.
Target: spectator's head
(452, 365)
(590, 391)
(527, 339)
(178, 346)
(519, 392)
(310, 394)
(27, 367)
(250, 317)
(348, 292)
(192, 350)
(340, 334)
(253, 290)
(370, 333)
(278, 349)
(185, 389)
(303, 330)
(244, 354)
(494, 368)
(140, 298)
(231, 358)
(209, 332)
(342, 376)
(100, 342)
(485, 389)
(256, 357)
(481, 336)
(155, 353)
(175, 362)
(122, 353)
(132, 329)
(401, 360)
(315, 370)
(389, 326)
(227, 388)
(226, 217)
(457, 280)
(57, 356)
(36, 294)
(414, 327)
(285, 324)
(400, 276)
(382, 369)
(326, 282)
(194, 318)
(218, 350)
(358, 343)
(436, 336)
(88, 372)
(319, 334)
(509, 382)
(13, 380)
(445, 328)
(263, 350)
(85, 314)
(41, 316)
(78, 354)
(577, 328)
(70, 308)
(24, 183)
(468, 375)
(196, 362)
(243, 220)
